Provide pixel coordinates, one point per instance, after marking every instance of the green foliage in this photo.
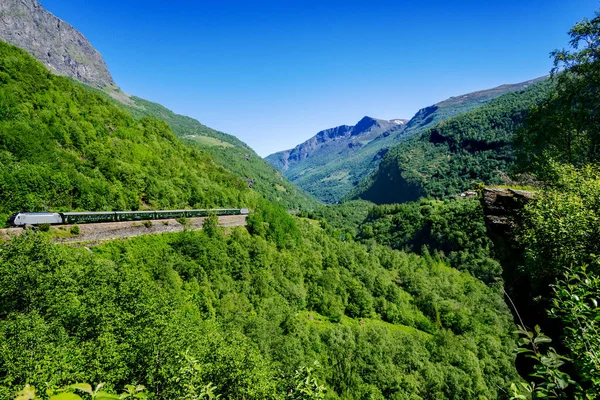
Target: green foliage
(228, 152)
(453, 228)
(564, 128)
(183, 221)
(75, 230)
(69, 393)
(342, 219)
(576, 305)
(560, 232)
(549, 381)
(67, 315)
(561, 226)
(190, 313)
(456, 154)
(44, 227)
(66, 146)
(306, 385)
(273, 223)
(210, 225)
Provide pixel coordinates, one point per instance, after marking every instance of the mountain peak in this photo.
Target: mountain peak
(369, 124)
(71, 56)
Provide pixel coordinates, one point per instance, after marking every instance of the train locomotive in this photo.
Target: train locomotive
(37, 218)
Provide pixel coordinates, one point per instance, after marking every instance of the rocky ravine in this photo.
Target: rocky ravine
(64, 50)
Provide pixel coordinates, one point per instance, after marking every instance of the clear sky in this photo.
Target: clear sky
(274, 73)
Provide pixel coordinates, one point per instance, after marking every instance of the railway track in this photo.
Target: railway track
(96, 233)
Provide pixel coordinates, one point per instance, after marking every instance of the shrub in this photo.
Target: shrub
(75, 230)
(210, 225)
(183, 221)
(44, 227)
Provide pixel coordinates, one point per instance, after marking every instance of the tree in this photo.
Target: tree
(566, 126)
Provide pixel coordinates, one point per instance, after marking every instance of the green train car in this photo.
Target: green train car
(22, 219)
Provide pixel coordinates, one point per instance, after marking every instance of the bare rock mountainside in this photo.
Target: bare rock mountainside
(62, 49)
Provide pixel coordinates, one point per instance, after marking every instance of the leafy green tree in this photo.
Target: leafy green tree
(561, 226)
(564, 127)
(306, 386)
(211, 225)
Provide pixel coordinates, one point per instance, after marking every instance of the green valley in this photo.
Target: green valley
(452, 256)
(335, 161)
(456, 154)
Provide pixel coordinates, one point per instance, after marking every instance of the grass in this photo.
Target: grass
(208, 141)
(515, 187)
(60, 232)
(322, 322)
(341, 175)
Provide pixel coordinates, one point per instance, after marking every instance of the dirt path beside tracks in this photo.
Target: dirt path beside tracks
(91, 234)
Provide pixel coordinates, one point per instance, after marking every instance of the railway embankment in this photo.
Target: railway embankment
(91, 234)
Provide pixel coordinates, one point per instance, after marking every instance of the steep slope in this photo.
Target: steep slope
(454, 155)
(59, 46)
(64, 147)
(65, 51)
(315, 164)
(330, 169)
(330, 141)
(230, 153)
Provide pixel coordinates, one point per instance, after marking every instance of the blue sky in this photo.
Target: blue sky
(274, 73)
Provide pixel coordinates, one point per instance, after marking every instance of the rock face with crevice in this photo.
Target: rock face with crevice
(502, 208)
(59, 46)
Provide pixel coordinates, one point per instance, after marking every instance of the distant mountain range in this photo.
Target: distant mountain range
(456, 154)
(334, 161)
(331, 142)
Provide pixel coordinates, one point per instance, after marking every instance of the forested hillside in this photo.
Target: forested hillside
(242, 312)
(456, 154)
(228, 152)
(63, 147)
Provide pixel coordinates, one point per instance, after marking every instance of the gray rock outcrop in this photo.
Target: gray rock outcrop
(502, 208)
(63, 49)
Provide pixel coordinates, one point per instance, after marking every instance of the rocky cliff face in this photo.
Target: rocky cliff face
(502, 208)
(64, 50)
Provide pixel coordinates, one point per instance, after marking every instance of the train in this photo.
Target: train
(38, 218)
